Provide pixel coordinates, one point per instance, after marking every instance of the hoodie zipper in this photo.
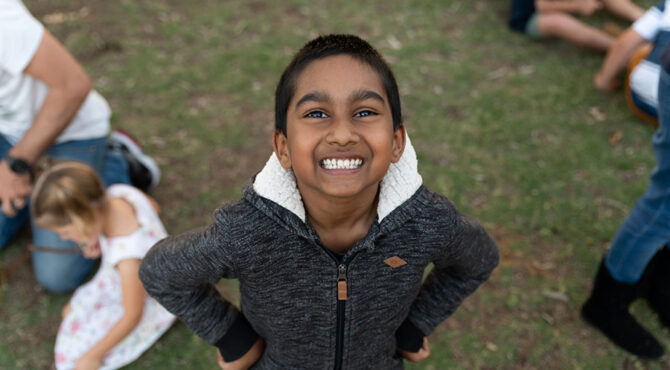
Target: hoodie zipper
(341, 300)
(342, 293)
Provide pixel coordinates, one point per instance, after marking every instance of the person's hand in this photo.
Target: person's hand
(13, 190)
(421, 355)
(88, 362)
(605, 85)
(245, 361)
(92, 249)
(588, 7)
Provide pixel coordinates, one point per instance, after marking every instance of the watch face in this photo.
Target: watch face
(17, 165)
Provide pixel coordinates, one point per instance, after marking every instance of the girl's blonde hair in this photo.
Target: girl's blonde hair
(68, 193)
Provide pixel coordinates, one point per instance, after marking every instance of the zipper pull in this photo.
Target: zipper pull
(342, 282)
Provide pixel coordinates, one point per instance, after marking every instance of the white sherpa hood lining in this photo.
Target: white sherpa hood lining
(401, 181)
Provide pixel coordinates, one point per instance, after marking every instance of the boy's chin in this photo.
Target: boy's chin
(345, 191)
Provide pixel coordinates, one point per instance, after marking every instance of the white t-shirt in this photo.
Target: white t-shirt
(21, 96)
(644, 78)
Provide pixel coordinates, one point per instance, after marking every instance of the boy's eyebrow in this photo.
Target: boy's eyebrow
(315, 96)
(321, 97)
(364, 94)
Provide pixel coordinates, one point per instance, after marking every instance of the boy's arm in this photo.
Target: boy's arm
(617, 58)
(583, 7)
(465, 264)
(180, 273)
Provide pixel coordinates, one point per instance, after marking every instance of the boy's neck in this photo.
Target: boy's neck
(341, 222)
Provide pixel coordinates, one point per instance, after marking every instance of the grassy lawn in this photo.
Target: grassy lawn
(510, 129)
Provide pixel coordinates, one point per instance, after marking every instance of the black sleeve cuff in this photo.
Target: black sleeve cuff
(238, 340)
(408, 337)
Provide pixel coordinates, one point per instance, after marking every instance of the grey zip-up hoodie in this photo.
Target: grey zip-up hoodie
(313, 311)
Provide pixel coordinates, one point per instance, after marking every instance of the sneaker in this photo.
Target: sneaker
(143, 170)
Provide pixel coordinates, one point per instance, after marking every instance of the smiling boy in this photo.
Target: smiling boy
(331, 238)
(338, 169)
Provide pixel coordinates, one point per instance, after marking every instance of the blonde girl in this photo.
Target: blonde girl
(109, 321)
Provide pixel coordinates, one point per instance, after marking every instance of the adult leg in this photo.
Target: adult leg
(9, 226)
(618, 281)
(647, 228)
(567, 27)
(658, 272)
(645, 231)
(625, 9)
(115, 168)
(64, 268)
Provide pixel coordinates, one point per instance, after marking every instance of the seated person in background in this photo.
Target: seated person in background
(639, 48)
(47, 107)
(542, 19)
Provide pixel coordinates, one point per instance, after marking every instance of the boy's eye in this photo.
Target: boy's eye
(316, 114)
(365, 113)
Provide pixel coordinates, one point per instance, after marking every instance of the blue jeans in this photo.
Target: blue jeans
(63, 272)
(647, 228)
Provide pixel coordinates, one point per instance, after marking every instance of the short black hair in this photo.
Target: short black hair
(330, 45)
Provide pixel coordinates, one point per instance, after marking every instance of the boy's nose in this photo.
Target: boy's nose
(342, 132)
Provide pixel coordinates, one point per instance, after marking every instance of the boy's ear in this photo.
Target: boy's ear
(281, 149)
(398, 144)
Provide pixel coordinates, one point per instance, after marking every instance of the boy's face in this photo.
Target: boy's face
(340, 139)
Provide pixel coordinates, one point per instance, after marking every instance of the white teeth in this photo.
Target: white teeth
(341, 164)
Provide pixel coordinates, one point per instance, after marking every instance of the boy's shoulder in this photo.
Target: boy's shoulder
(439, 216)
(432, 201)
(251, 213)
(430, 207)
(234, 211)
(429, 217)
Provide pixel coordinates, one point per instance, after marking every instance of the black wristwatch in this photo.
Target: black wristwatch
(17, 165)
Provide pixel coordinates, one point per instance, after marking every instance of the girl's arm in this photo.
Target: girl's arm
(133, 306)
(583, 7)
(121, 221)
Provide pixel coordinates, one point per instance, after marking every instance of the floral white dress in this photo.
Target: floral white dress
(98, 305)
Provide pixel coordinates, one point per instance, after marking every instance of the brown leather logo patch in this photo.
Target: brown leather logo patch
(395, 262)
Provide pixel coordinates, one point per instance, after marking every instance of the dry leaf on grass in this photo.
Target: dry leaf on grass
(597, 114)
(615, 137)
